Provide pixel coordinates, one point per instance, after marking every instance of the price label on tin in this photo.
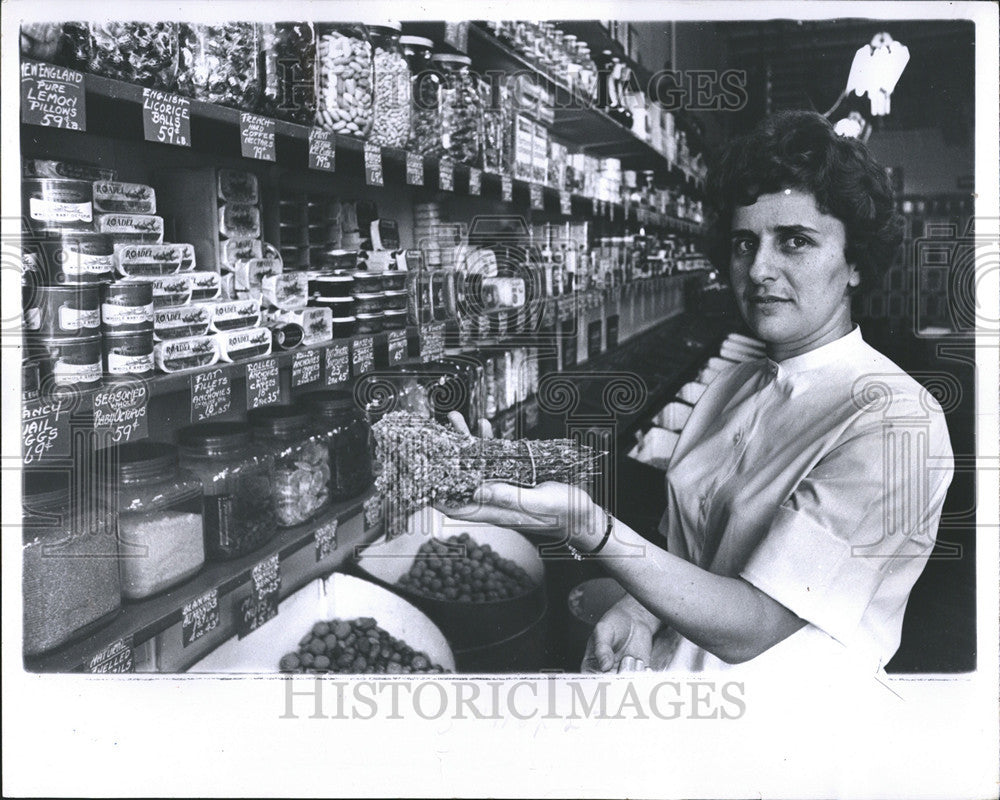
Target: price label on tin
(116, 658)
(537, 199)
(565, 203)
(166, 118)
(322, 150)
(398, 350)
(446, 176)
(52, 96)
(257, 137)
(506, 188)
(263, 383)
(338, 364)
(475, 181)
(414, 169)
(199, 617)
(305, 367)
(326, 540)
(211, 394)
(373, 165)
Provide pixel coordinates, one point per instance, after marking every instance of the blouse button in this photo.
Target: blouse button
(738, 437)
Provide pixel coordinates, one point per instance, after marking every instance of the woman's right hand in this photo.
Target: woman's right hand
(621, 642)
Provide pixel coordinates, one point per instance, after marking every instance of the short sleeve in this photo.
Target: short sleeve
(867, 509)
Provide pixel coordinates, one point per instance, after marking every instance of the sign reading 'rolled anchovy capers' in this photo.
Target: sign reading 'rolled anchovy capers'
(263, 383)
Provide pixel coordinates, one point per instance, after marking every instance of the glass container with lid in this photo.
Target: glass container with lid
(144, 53)
(70, 560)
(459, 107)
(235, 474)
(220, 63)
(344, 78)
(288, 83)
(161, 537)
(348, 438)
(301, 474)
(391, 112)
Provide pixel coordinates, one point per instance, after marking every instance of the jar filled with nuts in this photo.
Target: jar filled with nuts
(220, 64)
(288, 83)
(460, 110)
(344, 79)
(391, 115)
(299, 483)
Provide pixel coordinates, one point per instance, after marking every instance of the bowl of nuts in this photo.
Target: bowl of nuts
(342, 624)
(480, 584)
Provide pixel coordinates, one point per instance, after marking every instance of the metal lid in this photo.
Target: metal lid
(278, 421)
(417, 41)
(214, 438)
(138, 461)
(448, 58)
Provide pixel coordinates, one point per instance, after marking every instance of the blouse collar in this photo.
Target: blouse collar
(841, 349)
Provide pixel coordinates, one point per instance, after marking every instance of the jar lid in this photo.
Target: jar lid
(417, 41)
(393, 26)
(144, 460)
(278, 421)
(214, 438)
(448, 58)
(329, 403)
(45, 487)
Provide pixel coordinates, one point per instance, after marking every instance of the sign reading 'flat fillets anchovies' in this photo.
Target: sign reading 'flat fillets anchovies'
(52, 96)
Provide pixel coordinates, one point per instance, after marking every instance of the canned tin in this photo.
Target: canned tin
(286, 335)
(331, 286)
(58, 202)
(127, 306)
(31, 379)
(62, 311)
(76, 361)
(128, 354)
(394, 319)
(343, 327)
(75, 256)
(368, 323)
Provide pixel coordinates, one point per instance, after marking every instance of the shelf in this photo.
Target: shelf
(139, 622)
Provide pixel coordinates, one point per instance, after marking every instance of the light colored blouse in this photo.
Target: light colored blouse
(819, 480)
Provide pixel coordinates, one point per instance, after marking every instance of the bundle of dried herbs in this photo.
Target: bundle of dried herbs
(424, 462)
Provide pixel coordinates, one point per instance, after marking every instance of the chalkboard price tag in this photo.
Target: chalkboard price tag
(397, 347)
(373, 511)
(565, 203)
(338, 364)
(432, 341)
(117, 658)
(263, 383)
(506, 188)
(414, 169)
(52, 96)
(120, 413)
(373, 165)
(305, 367)
(362, 355)
(322, 150)
(537, 199)
(326, 540)
(211, 394)
(166, 118)
(266, 576)
(475, 181)
(199, 617)
(446, 175)
(45, 430)
(257, 137)
(254, 613)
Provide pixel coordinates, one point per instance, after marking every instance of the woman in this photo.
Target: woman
(806, 487)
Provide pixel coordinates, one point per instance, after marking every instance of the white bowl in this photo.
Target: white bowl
(339, 596)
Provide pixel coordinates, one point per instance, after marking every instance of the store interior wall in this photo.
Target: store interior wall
(930, 163)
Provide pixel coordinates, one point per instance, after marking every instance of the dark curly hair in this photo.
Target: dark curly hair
(800, 150)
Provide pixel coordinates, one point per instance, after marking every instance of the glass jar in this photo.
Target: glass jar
(288, 82)
(40, 40)
(236, 487)
(70, 580)
(160, 531)
(391, 112)
(137, 52)
(220, 64)
(301, 474)
(498, 125)
(344, 79)
(423, 90)
(459, 109)
(348, 437)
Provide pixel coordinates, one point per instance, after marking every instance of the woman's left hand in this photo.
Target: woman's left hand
(557, 510)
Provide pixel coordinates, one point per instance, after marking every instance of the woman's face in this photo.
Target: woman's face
(789, 273)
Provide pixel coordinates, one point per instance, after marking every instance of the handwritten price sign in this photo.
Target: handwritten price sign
(211, 395)
(257, 137)
(120, 413)
(322, 150)
(373, 165)
(52, 97)
(263, 384)
(166, 118)
(199, 617)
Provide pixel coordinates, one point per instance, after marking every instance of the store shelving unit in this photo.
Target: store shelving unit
(152, 632)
